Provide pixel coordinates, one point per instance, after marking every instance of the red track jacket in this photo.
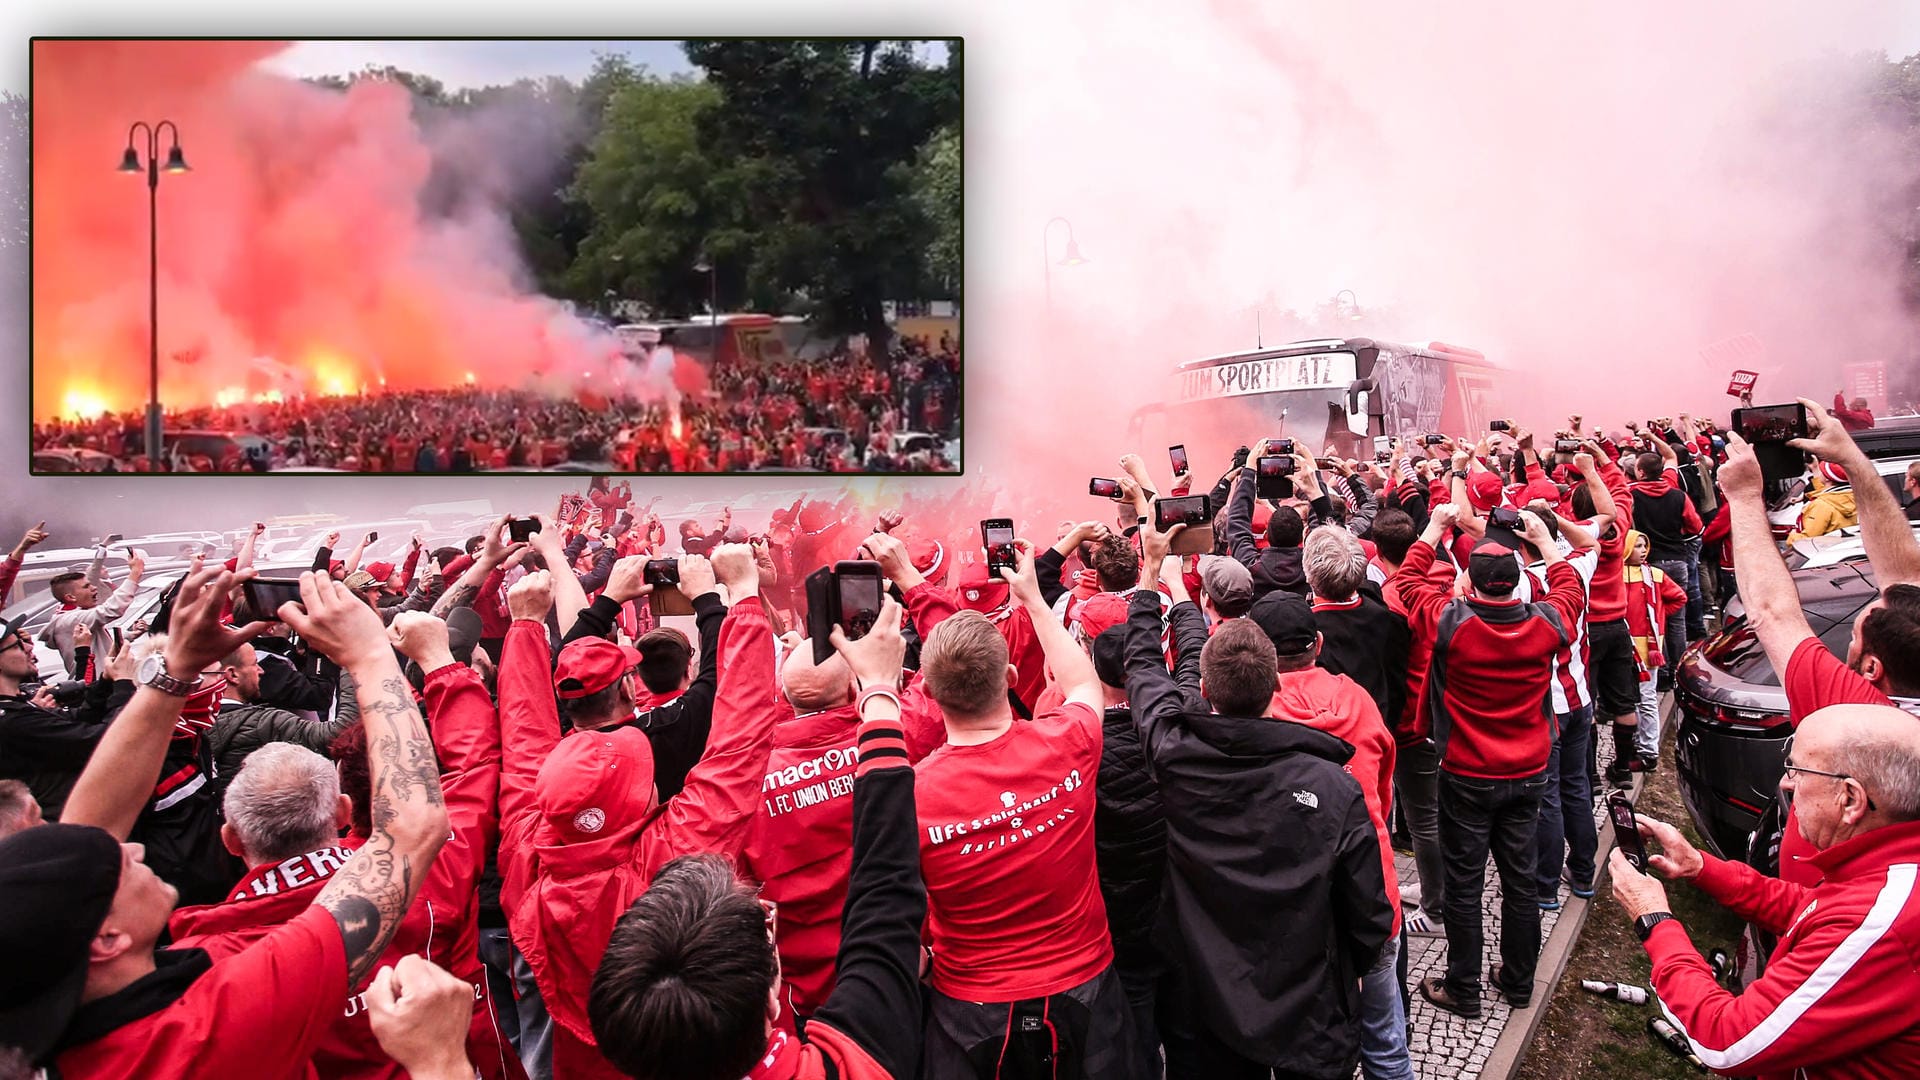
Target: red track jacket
(1838, 997)
(562, 900)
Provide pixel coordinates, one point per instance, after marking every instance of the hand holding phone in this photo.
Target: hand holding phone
(372, 536)
(1103, 488)
(996, 536)
(521, 530)
(1177, 457)
(1626, 831)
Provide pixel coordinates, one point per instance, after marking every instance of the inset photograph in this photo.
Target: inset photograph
(495, 256)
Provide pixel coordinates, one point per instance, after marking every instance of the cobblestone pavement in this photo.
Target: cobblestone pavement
(1448, 1047)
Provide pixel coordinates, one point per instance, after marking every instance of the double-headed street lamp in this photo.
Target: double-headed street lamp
(176, 163)
(705, 266)
(1071, 258)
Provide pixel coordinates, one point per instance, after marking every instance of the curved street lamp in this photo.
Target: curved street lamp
(1071, 258)
(1351, 307)
(176, 163)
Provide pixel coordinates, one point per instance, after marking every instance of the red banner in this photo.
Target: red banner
(1741, 385)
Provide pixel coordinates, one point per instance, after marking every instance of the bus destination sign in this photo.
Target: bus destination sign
(1268, 374)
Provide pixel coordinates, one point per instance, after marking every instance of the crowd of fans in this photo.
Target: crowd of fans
(1108, 812)
(835, 413)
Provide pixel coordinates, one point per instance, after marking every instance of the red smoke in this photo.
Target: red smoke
(297, 237)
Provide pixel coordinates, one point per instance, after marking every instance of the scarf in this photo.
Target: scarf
(780, 1062)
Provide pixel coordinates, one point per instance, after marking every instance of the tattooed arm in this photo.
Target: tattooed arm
(370, 894)
(467, 589)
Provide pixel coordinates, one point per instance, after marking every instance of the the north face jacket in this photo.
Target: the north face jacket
(1261, 817)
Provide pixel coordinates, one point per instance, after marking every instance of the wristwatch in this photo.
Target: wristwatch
(1644, 924)
(1460, 474)
(153, 672)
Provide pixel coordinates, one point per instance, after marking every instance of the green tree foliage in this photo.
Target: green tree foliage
(818, 141)
(937, 188)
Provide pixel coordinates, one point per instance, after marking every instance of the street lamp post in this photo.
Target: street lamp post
(176, 163)
(1351, 307)
(1071, 258)
(706, 266)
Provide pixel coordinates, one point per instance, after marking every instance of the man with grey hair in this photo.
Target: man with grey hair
(1364, 640)
(285, 811)
(1837, 996)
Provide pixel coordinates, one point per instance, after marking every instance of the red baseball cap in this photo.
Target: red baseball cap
(381, 571)
(979, 592)
(1484, 491)
(590, 665)
(1099, 611)
(930, 558)
(596, 784)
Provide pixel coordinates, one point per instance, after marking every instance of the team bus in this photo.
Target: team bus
(1336, 392)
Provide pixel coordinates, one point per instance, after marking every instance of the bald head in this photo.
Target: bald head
(815, 688)
(1877, 745)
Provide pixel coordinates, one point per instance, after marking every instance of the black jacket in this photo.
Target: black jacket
(1130, 842)
(1275, 901)
(1274, 569)
(296, 683)
(678, 730)
(1367, 643)
(240, 729)
(46, 750)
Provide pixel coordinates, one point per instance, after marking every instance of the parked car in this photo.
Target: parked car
(1730, 747)
(67, 460)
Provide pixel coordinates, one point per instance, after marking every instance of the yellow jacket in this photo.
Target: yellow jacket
(1831, 508)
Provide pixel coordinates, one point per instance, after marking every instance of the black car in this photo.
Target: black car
(1732, 711)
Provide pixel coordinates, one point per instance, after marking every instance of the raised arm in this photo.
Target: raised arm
(243, 560)
(10, 567)
(370, 894)
(1884, 529)
(1068, 664)
(353, 555)
(1766, 585)
(495, 552)
(569, 598)
(121, 774)
(529, 719)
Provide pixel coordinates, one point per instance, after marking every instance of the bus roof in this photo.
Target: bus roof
(1318, 345)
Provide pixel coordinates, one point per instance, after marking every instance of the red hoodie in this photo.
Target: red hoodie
(801, 845)
(1608, 599)
(1837, 1000)
(1416, 720)
(1489, 683)
(442, 924)
(1338, 706)
(562, 900)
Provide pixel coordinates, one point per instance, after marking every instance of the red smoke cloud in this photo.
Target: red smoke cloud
(297, 237)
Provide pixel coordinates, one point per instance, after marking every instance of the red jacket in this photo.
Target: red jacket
(1837, 1001)
(1416, 720)
(1651, 597)
(1608, 598)
(1338, 706)
(259, 1013)
(562, 900)
(1849, 419)
(1488, 686)
(801, 846)
(491, 605)
(442, 924)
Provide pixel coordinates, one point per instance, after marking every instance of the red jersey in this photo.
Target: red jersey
(1006, 848)
(1816, 679)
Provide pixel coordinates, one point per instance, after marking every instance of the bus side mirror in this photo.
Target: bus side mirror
(1359, 405)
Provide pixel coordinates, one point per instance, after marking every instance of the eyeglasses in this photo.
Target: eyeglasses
(1790, 768)
(16, 641)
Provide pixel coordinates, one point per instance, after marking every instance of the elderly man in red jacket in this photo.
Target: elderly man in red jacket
(1837, 998)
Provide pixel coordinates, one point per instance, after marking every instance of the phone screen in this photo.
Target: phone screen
(520, 530)
(859, 602)
(1177, 456)
(1187, 510)
(997, 537)
(1106, 489)
(1566, 446)
(1282, 447)
(661, 572)
(1771, 423)
(1626, 832)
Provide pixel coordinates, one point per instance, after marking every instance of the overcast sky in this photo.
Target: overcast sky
(487, 63)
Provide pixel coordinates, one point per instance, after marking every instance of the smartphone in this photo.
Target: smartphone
(858, 590)
(1271, 479)
(996, 536)
(1282, 447)
(118, 637)
(1193, 511)
(1503, 518)
(1433, 440)
(264, 596)
(1566, 446)
(520, 530)
(1626, 832)
(1771, 423)
(372, 536)
(1188, 510)
(1327, 463)
(1177, 457)
(661, 572)
(1383, 444)
(820, 614)
(1500, 425)
(1105, 489)
(1383, 456)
